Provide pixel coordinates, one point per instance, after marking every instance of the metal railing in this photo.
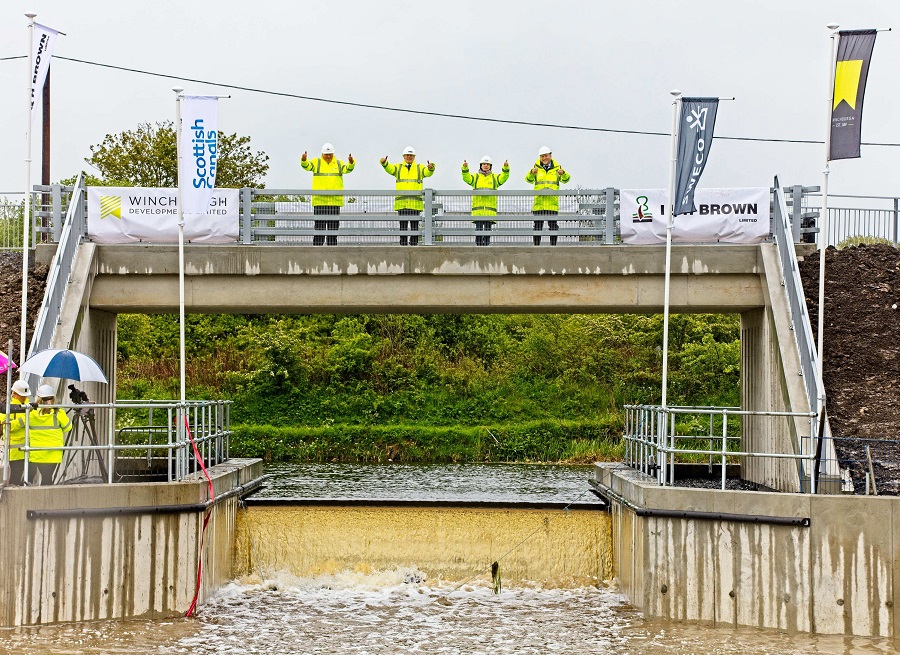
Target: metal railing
(68, 235)
(869, 465)
(12, 209)
(286, 216)
(852, 218)
(157, 440)
(793, 286)
(657, 438)
(367, 217)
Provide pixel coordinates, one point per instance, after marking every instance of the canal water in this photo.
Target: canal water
(397, 611)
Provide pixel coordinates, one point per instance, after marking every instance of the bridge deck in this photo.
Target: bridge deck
(292, 279)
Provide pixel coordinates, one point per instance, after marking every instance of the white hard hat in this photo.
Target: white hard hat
(21, 387)
(544, 151)
(409, 150)
(487, 160)
(46, 391)
(327, 149)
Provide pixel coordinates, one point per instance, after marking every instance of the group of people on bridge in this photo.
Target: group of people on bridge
(328, 175)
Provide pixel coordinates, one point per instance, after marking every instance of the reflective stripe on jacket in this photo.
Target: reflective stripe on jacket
(484, 205)
(16, 431)
(46, 431)
(327, 177)
(546, 179)
(409, 178)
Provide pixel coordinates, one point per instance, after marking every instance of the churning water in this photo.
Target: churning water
(401, 610)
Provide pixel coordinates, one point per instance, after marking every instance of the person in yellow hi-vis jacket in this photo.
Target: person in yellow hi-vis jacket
(546, 174)
(46, 429)
(409, 176)
(18, 405)
(485, 205)
(328, 175)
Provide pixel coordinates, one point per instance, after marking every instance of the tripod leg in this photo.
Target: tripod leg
(92, 435)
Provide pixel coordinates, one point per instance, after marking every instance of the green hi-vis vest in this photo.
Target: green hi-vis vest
(327, 177)
(485, 205)
(409, 178)
(546, 179)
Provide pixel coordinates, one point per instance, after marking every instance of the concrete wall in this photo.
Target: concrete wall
(86, 567)
(839, 575)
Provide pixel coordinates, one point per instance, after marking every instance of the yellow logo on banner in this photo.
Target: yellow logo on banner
(846, 82)
(110, 206)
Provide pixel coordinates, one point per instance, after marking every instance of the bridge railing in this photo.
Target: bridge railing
(854, 219)
(368, 217)
(68, 236)
(129, 441)
(583, 216)
(800, 323)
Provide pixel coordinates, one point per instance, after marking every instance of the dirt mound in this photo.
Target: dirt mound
(862, 348)
(11, 298)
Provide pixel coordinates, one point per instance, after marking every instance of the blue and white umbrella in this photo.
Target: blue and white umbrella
(66, 364)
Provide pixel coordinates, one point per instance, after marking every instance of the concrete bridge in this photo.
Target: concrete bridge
(745, 279)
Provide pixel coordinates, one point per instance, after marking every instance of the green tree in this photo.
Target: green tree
(147, 156)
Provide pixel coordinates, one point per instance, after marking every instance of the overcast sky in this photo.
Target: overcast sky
(597, 64)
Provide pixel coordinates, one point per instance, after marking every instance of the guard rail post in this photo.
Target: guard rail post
(428, 223)
(896, 219)
(246, 215)
(57, 216)
(796, 212)
(609, 210)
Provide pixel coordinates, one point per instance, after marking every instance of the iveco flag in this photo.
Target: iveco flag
(695, 135)
(42, 50)
(199, 140)
(851, 69)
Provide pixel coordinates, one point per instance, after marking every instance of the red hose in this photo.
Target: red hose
(212, 496)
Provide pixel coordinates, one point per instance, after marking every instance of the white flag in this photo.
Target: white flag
(199, 140)
(44, 38)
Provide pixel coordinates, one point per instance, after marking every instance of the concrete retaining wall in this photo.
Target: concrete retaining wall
(114, 564)
(839, 575)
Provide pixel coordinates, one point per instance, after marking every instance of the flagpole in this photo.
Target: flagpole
(823, 234)
(26, 214)
(181, 368)
(670, 224)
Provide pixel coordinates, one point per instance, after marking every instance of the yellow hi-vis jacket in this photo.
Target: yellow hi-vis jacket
(546, 179)
(484, 205)
(16, 431)
(409, 178)
(327, 177)
(46, 431)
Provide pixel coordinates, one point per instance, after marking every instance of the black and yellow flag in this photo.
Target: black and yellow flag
(851, 69)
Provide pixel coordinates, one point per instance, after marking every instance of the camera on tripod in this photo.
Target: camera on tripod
(77, 396)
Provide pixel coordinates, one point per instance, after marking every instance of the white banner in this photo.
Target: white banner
(42, 49)
(135, 214)
(722, 216)
(199, 141)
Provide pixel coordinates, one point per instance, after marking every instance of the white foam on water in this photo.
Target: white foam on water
(397, 611)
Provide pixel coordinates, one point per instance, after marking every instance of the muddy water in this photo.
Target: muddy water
(367, 610)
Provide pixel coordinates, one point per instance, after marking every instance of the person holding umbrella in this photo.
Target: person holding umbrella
(47, 429)
(18, 405)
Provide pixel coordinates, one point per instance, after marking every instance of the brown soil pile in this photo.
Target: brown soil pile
(11, 299)
(862, 337)
(862, 351)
